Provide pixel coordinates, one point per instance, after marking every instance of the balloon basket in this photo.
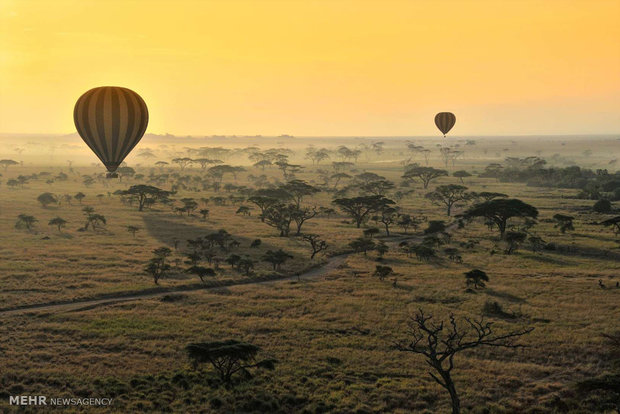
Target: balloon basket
(111, 175)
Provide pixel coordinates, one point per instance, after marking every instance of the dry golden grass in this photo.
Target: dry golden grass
(332, 336)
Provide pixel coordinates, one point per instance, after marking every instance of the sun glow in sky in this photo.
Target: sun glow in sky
(327, 67)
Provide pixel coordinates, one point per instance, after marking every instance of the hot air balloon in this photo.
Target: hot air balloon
(111, 120)
(445, 121)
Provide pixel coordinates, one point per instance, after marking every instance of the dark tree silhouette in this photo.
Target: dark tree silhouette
(201, 272)
(46, 199)
(449, 195)
(461, 174)
(440, 342)
(276, 257)
(157, 266)
(7, 163)
(362, 244)
(563, 222)
(228, 357)
(316, 243)
(79, 197)
(499, 211)
(58, 222)
(144, 192)
(514, 240)
(476, 277)
(614, 223)
(424, 174)
(25, 221)
(133, 230)
(382, 272)
(360, 208)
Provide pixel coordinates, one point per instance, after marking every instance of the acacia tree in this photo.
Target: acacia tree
(7, 163)
(316, 243)
(440, 342)
(228, 357)
(388, 216)
(58, 222)
(424, 174)
(461, 174)
(157, 266)
(301, 215)
(146, 193)
(133, 230)
(382, 272)
(265, 198)
(201, 272)
(281, 216)
(25, 221)
(499, 211)
(276, 257)
(79, 197)
(614, 223)
(448, 195)
(298, 189)
(362, 244)
(359, 208)
(182, 162)
(564, 223)
(46, 199)
(476, 277)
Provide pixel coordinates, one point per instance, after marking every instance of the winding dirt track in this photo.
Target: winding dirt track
(79, 305)
(86, 304)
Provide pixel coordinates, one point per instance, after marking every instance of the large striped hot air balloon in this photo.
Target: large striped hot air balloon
(445, 121)
(111, 120)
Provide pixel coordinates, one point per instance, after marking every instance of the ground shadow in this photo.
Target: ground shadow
(504, 295)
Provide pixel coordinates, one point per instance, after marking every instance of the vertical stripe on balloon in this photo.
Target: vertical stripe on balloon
(111, 121)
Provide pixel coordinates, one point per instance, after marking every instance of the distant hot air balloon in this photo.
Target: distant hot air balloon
(445, 121)
(111, 120)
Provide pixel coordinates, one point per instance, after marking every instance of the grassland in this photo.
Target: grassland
(333, 336)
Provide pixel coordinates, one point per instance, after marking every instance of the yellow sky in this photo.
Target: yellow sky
(326, 67)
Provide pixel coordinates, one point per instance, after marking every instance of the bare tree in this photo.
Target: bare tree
(317, 244)
(440, 342)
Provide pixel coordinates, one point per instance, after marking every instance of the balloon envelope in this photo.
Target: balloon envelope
(111, 120)
(445, 121)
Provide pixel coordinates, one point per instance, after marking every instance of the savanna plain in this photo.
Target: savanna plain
(309, 267)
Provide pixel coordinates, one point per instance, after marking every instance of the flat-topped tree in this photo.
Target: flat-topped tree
(182, 162)
(58, 222)
(614, 223)
(201, 272)
(449, 196)
(276, 257)
(360, 208)
(476, 277)
(144, 192)
(7, 163)
(461, 174)
(499, 211)
(227, 357)
(377, 187)
(298, 189)
(424, 174)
